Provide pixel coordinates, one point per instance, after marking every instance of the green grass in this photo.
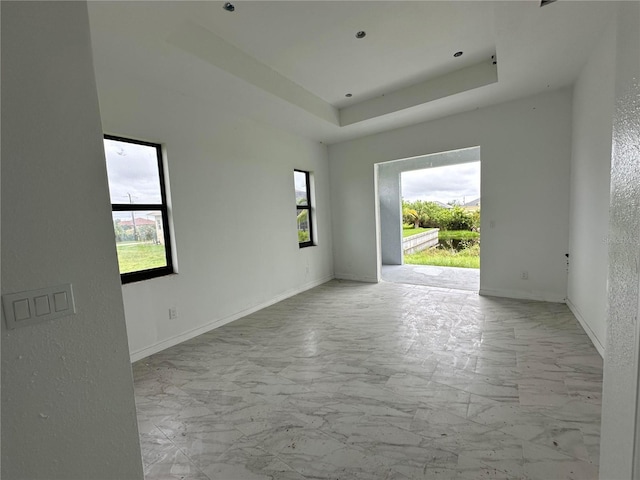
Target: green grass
(408, 231)
(457, 235)
(467, 258)
(140, 256)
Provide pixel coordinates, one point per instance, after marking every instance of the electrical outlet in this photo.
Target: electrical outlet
(173, 313)
(525, 275)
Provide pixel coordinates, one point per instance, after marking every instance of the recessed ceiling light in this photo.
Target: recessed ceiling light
(361, 34)
(229, 7)
(349, 95)
(457, 54)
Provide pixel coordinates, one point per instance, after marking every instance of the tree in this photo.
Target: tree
(118, 230)
(411, 216)
(303, 226)
(146, 233)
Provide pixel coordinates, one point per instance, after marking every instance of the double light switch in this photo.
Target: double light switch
(35, 306)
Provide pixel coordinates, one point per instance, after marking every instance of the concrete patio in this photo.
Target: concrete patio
(444, 277)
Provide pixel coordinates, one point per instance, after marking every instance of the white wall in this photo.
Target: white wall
(593, 96)
(620, 427)
(526, 152)
(233, 209)
(67, 390)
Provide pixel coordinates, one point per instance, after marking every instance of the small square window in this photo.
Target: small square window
(139, 208)
(304, 208)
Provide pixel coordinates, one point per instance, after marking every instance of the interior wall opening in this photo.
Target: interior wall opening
(429, 219)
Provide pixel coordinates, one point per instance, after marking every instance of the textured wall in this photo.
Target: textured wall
(620, 399)
(67, 392)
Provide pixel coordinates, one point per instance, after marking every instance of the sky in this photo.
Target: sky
(132, 169)
(460, 183)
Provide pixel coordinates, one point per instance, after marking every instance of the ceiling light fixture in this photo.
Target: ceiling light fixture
(457, 54)
(361, 34)
(229, 7)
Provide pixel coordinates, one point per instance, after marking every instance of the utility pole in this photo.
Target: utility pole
(133, 219)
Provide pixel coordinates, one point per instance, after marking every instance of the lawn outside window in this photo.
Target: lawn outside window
(304, 207)
(139, 208)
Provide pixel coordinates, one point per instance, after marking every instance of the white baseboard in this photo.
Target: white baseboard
(587, 329)
(183, 337)
(522, 295)
(355, 278)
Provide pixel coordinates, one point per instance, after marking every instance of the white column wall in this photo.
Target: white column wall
(389, 196)
(67, 391)
(620, 435)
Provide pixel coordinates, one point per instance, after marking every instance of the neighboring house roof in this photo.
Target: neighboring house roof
(139, 222)
(443, 205)
(473, 203)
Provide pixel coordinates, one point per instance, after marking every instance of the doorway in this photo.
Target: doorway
(429, 219)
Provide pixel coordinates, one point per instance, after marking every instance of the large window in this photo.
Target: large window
(302, 183)
(139, 208)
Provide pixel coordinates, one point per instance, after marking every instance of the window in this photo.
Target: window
(139, 208)
(303, 208)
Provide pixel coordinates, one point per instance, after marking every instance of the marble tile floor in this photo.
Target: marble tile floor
(431, 276)
(376, 381)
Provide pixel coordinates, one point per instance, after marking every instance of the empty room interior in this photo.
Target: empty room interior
(192, 244)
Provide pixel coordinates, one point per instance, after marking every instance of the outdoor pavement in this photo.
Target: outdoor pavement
(443, 277)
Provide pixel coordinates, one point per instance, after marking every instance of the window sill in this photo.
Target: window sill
(137, 277)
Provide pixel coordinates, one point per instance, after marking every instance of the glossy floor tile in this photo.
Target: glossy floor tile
(377, 381)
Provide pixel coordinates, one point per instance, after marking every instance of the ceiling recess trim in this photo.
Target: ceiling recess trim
(209, 47)
(214, 50)
(458, 81)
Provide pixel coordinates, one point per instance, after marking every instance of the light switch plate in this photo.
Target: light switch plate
(36, 306)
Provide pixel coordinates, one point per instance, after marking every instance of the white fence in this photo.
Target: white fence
(420, 241)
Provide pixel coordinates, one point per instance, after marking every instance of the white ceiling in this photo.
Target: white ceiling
(291, 63)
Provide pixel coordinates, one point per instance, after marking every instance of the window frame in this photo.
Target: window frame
(308, 207)
(163, 207)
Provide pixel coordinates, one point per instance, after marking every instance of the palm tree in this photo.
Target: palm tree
(411, 216)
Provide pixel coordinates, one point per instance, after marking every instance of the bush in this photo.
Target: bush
(459, 219)
(432, 215)
(303, 236)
